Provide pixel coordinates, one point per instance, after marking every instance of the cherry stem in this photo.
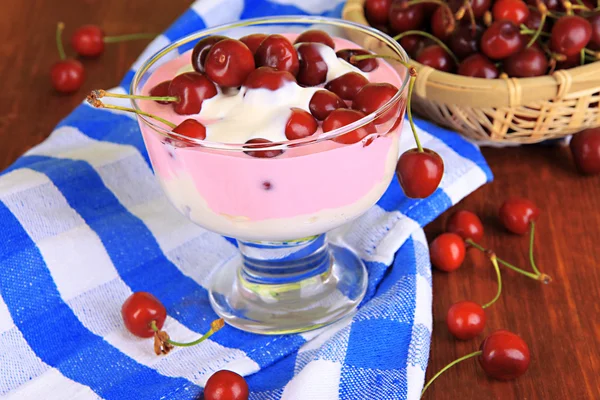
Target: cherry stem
(467, 5)
(582, 57)
(526, 31)
(429, 36)
(538, 32)
(538, 277)
(103, 93)
(415, 2)
(98, 104)
(59, 44)
(215, 326)
(132, 36)
(531, 243)
(453, 363)
(494, 261)
(582, 4)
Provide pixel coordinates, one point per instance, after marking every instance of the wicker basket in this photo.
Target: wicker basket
(511, 110)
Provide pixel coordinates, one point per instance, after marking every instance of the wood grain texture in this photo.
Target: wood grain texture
(560, 321)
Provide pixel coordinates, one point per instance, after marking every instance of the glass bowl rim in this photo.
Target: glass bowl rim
(291, 19)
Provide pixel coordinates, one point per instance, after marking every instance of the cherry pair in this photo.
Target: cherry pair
(144, 316)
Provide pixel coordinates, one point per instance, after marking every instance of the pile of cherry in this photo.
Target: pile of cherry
(503, 355)
(490, 38)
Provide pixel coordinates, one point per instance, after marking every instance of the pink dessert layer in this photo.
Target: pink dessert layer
(305, 191)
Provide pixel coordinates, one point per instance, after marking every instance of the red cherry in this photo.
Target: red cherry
(201, 50)
(569, 62)
(347, 85)
(436, 57)
(510, 10)
(528, 62)
(478, 66)
(502, 39)
(229, 62)
(504, 355)
(465, 320)
(464, 42)
(419, 173)
(313, 69)
(551, 5)
(67, 76)
(402, 18)
(253, 41)
(447, 252)
(516, 214)
(315, 36)
(300, 124)
(585, 147)
(226, 385)
(534, 20)
(88, 41)
(138, 312)
(268, 78)
(442, 23)
(191, 128)
(367, 65)
(570, 34)
(413, 44)
(465, 224)
(161, 90)
(277, 52)
(373, 96)
(323, 103)
(595, 38)
(479, 6)
(342, 117)
(377, 11)
(256, 152)
(192, 88)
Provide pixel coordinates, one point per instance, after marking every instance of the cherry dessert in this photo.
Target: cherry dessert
(229, 62)
(277, 52)
(315, 36)
(201, 50)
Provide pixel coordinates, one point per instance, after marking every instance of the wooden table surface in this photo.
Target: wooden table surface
(559, 321)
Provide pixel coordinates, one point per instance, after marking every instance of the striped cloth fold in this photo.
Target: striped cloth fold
(84, 224)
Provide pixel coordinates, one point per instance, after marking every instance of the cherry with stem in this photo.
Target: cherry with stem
(89, 40)
(163, 343)
(66, 75)
(432, 37)
(94, 101)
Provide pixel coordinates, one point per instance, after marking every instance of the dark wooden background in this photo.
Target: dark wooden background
(560, 321)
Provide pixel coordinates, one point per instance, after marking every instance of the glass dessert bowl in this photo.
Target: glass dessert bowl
(252, 175)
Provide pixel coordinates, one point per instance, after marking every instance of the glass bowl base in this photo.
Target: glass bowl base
(293, 299)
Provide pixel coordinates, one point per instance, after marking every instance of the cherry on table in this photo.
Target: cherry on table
(436, 57)
(377, 11)
(342, 117)
(464, 41)
(465, 224)
(504, 355)
(585, 147)
(161, 90)
(323, 103)
(570, 34)
(515, 11)
(419, 173)
(466, 320)
(278, 52)
(373, 96)
(502, 39)
(315, 36)
(447, 252)
(88, 41)
(253, 41)
(201, 50)
(442, 23)
(478, 66)
(402, 18)
(268, 78)
(526, 63)
(517, 213)
(226, 385)
(313, 69)
(192, 88)
(229, 62)
(191, 128)
(347, 85)
(257, 150)
(366, 65)
(300, 124)
(67, 75)
(138, 312)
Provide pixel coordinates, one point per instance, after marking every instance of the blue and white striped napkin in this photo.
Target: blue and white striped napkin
(83, 224)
